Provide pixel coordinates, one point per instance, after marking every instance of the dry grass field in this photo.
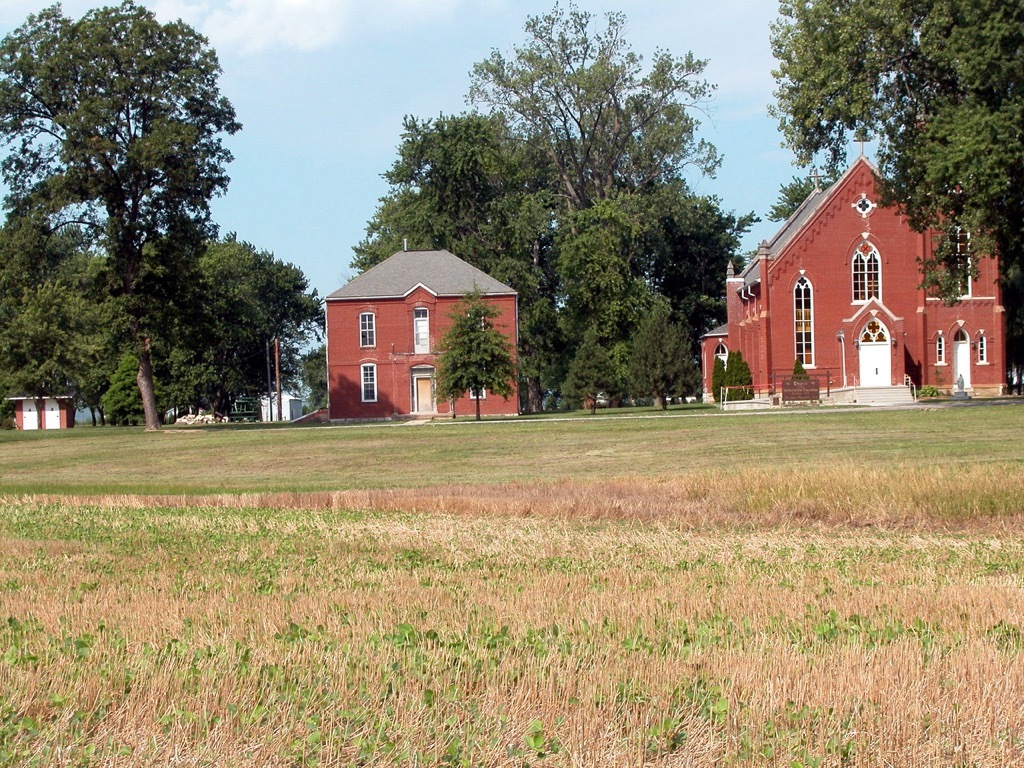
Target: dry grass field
(858, 603)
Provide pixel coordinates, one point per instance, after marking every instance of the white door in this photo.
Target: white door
(875, 357)
(52, 418)
(29, 415)
(961, 359)
(875, 365)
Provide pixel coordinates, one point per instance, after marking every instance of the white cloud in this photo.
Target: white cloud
(254, 26)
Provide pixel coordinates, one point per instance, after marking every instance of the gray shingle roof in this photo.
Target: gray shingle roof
(441, 272)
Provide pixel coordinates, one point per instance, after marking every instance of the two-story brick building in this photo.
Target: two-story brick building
(383, 328)
(838, 288)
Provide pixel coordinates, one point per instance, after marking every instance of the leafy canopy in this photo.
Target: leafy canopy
(581, 93)
(938, 83)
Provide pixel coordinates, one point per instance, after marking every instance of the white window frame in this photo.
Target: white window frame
(805, 355)
(724, 354)
(473, 395)
(367, 329)
(940, 349)
(982, 350)
(421, 335)
(368, 378)
(863, 277)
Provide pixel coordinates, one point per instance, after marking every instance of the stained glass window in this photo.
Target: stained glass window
(803, 314)
(867, 273)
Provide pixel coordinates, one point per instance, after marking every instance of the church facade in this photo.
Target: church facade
(838, 288)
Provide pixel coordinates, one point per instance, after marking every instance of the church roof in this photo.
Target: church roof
(795, 224)
(440, 272)
(722, 330)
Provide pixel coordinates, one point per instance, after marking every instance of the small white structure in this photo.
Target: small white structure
(290, 411)
(57, 412)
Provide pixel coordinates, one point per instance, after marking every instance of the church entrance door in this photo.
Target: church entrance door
(961, 359)
(875, 356)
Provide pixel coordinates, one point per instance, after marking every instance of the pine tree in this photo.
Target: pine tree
(660, 361)
(591, 373)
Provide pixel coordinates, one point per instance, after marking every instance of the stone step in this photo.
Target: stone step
(884, 396)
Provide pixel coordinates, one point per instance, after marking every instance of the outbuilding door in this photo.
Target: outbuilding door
(875, 356)
(29, 415)
(52, 418)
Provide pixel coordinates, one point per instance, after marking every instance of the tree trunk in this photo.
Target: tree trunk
(478, 405)
(534, 395)
(145, 381)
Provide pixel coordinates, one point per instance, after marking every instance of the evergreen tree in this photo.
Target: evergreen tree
(799, 372)
(591, 373)
(738, 379)
(661, 363)
(122, 403)
(717, 377)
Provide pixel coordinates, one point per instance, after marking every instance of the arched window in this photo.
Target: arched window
(803, 321)
(982, 349)
(940, 349)
(867, 273)
(874, 332)
(722, 353)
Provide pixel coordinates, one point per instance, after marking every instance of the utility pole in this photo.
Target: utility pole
(270, 389)
(277, 375)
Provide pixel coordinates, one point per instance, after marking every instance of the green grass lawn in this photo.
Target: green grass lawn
(813, 588)
(254, 459)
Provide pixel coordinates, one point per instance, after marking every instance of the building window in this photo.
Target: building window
(867, 273)
(367, 330)
(722, 353)
(963, 253)
(803, 316)
(421, 330)
(982, 350)
(940, 349)
(369, 383)
(475, 394)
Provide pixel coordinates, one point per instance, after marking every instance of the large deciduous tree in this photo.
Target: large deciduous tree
(249, 297)
(582, 94)
(463, 183)
(475, 355)
(570, 190)
(938, 83)
(115, 122)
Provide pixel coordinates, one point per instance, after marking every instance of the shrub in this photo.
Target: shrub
(717, 377)
(928, 391)
(799, 372)
(737, 374)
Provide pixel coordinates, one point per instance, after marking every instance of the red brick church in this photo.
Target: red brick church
(837, 288)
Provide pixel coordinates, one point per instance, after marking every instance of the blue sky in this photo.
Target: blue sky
(321, 87)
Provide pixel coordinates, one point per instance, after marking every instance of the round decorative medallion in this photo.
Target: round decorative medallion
(864, 206)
